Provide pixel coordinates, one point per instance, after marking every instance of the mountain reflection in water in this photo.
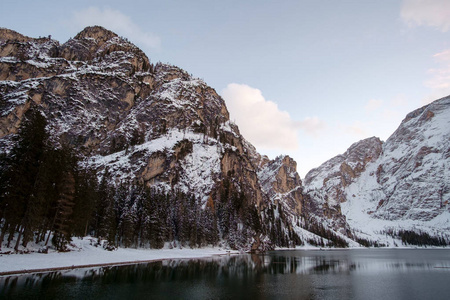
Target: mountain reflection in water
(333, 274)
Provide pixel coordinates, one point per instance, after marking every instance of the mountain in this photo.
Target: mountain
(136, 124)
(96, 139)
(399, 185)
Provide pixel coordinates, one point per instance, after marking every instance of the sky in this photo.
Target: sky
(305, 78)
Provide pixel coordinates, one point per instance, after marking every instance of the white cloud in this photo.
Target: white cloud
(440, 78)
(262, 122)
(443, 56)
(439, 81)
(441, 75)
(373, 104)
(117, 22)
(434, 13)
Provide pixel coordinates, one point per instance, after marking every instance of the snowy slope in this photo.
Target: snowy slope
(405, 186)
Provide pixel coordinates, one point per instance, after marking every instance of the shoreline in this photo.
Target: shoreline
(73, 267)
(99, 265)
(88, 256)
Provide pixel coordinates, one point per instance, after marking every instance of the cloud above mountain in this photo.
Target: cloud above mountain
(262, 122)
(435, 14)
(438, 77)
(116, 21)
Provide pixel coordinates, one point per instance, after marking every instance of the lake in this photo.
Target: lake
(291, 274)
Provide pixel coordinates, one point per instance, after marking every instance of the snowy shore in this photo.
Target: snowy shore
(85, 254)
(88, 255)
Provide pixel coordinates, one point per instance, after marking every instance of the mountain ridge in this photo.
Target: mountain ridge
(403, 187)
(138, 125)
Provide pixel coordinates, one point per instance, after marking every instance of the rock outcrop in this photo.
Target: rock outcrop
(281, 182)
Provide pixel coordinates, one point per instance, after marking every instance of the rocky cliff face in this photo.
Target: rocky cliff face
(327, 184)
(282, 184)
(336, 174)
(154, 125)
(399, 184)
(415, 166)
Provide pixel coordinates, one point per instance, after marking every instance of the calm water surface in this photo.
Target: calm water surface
(333, 274)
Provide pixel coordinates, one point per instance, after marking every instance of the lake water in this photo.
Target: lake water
(332, 274)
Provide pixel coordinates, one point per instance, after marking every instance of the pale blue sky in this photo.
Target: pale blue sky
(322, 74)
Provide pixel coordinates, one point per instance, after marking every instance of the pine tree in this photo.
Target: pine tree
(156, 222)
(128, 221)
(85, 199)
(209, 225)
(3, 196)
(64, 209)
(21, 176)
(105, 217)
(61, 169)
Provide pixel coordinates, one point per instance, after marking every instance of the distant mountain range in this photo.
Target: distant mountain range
(156, 136)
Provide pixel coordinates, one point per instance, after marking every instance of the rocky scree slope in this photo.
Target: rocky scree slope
(148, 124)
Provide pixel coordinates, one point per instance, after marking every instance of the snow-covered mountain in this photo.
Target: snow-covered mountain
(101, 94)
(141, 123)
(402, 184)
(137, 124)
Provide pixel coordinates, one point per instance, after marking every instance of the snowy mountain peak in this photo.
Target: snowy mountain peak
(98, 33)
(342, 169)
(401, 184)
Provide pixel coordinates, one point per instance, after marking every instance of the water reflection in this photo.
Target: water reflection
(346, 274)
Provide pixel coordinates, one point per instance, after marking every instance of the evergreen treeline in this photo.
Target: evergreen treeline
(237, 220)
(333, 239)
(368, 243)
(44, 193)
(410, 237)
(45, 196)
(42, 190)
(279, 234)
(139, 216)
